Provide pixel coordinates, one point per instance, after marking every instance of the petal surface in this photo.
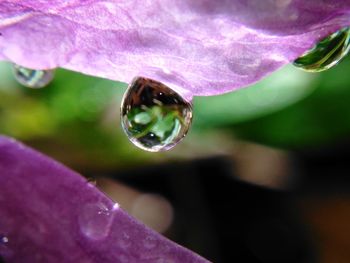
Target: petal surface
(52, 214)
(198, 47)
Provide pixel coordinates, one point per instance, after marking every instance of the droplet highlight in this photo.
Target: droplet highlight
(327, 53)
(154, 117)
(92, 181)
(32, 78)
(4, 240)
(95, 220)
(5, 250)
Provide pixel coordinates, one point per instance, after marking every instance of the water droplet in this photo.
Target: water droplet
(95, 220)
(92, 181)
(154, 117)
(327, 53)
(32, 78)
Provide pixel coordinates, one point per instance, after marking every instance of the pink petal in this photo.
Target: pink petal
(198, 47)
(52, 214)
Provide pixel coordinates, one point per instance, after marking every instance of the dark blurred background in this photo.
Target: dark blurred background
(263, 175)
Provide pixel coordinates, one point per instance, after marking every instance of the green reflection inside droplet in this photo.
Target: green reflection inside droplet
(327, 53)
(32, 78)
(154, 125)
(154, 117)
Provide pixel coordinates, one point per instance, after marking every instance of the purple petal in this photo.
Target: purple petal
(198, 47)
(51, 214)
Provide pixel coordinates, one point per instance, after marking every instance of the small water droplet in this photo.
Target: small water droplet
(95, 220)
(154, 117)
(92, 181)
(326, 53)
(32, 78)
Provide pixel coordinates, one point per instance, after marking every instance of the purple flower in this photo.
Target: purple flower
(52, 214)
(198, 47)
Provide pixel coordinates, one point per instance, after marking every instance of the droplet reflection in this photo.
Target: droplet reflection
(327, 53)
(154, 117)
(32, 78)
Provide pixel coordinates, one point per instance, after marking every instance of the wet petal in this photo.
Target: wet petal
(200, 47)
(51, 214)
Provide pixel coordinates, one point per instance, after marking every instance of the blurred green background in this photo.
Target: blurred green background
(76, 118)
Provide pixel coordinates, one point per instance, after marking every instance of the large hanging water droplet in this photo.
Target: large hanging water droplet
(154, 117)
(327, 53)
(32, 78)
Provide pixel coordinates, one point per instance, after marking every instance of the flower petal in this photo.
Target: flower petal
(198, 47)
(52, 214)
